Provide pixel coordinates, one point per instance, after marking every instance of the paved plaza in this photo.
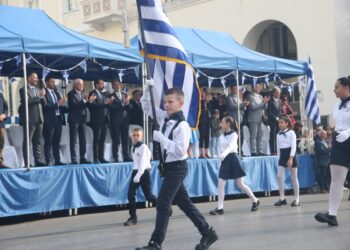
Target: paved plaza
(270, 228)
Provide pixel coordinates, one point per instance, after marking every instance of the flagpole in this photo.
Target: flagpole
(238, 115)
(26, 109)
(148, 71)
(156, 145)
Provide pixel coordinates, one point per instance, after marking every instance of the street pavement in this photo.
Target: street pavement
(270, 228)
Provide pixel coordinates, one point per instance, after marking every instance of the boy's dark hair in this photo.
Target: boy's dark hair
(286, 119)
(216, 111)
(232, 122)
(177, 92)
(137, 130)
(96, 82)
(345, 81)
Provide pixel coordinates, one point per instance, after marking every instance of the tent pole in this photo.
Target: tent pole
(238, 115)
(26, 109)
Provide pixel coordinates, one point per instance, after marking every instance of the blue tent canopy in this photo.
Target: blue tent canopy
(54, 46)
(217, 54)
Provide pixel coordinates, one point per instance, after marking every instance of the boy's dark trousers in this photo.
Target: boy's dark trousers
(171, 190)
(145, 182)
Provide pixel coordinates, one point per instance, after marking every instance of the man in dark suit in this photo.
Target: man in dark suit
(76, 119)
(273, 112)
(54, 109)
(119, 121)
(135, 110)
(99, 120)
(3, 117)
(35, 117)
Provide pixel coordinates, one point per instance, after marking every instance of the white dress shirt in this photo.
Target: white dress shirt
(341, 117)
(228, 144)
(286, 139)
(176, 149)
(141, 157)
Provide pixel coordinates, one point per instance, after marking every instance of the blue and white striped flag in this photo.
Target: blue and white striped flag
(312, 107)
(169, 64)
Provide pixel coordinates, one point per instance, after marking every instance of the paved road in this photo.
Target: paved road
(270, 228)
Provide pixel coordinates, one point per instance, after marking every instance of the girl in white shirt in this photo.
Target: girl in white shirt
(340, 153)
(231, 167)
(286, 149)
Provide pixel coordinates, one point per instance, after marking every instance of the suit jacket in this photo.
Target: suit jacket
(256, 108)
(274, 111)
(98, 109)
(51, 107)
(135, 113)
(35, 112)
(3, 109)
(76, 107)
(322, 152)
(232, 105)
(118, 113)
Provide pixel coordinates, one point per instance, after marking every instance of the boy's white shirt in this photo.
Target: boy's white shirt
(141, 159)
(178, 146)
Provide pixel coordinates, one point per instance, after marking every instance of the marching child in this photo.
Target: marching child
(140, 175)
(174, 138)
(231, 167)
(286, 148)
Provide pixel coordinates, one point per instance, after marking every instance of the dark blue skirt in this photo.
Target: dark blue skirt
(284, 157)
(231, 167)
(340, 152)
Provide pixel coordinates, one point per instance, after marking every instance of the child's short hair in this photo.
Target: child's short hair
(137, 130)
(177, 92)
(216, 111)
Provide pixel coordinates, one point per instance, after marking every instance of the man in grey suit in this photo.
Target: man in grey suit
(35, 117)
(256, 108)
(232, 107)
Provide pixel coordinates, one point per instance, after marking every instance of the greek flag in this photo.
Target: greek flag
(312, 108)
(169, 64)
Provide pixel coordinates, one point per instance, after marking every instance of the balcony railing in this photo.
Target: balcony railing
(100, 12)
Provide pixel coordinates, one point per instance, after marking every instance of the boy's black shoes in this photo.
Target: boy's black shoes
(151, 246)
(217, 211)
(295, 203)
(131, 221)
(255, 206)
(207, 240)
(281, 203)
(326, 218)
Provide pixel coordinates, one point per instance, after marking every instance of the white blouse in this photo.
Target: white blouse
(228, 144)
(341, 117)
(141, 158)
(286, 139)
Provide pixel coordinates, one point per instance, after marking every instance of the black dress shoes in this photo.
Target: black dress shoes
(207, 240)
(74, 163)
(217, 211)
(131, 221)
(60, 163)
(103, 161)
(281, 202)
(255, 206)
(151, 246)
(326, 218)
(127, 159)
(40, 164)
(295, 203)
(84, 161)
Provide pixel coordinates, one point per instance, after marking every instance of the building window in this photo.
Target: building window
(31, 4)
(70, 5)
